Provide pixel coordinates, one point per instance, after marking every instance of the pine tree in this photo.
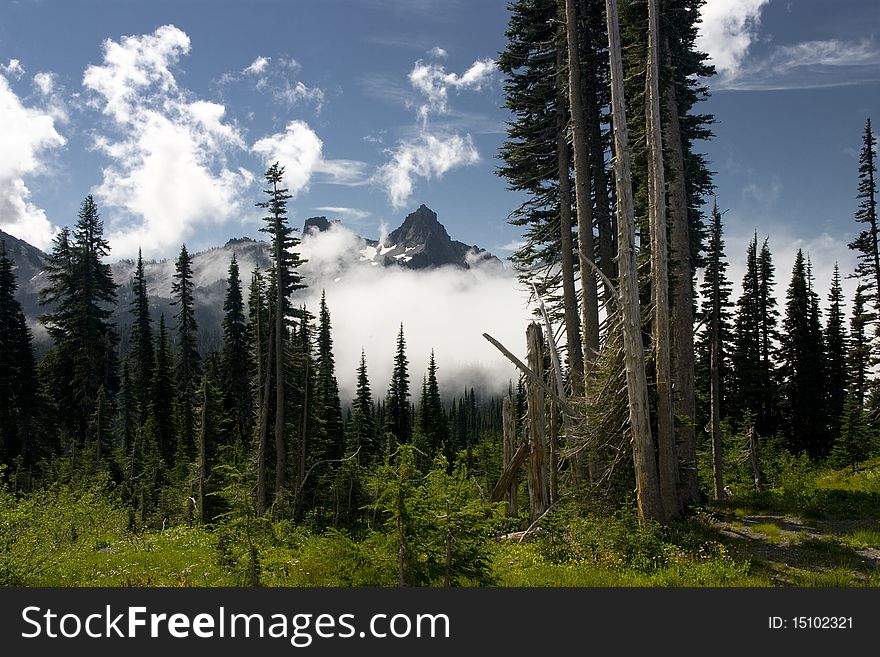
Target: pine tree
(235, 370)
(715, 346)
(83, 292)
(866, 243)
(259, 339)
(162, 395)
(802, 369)
(861, 346)
(142, 339)
(327, 392)
(432, 419)
(128, 418)
(18, 381)
(398, 421)
(363, 418)
(188, 359)
(853, 444)
(835, 348)
(287, 279)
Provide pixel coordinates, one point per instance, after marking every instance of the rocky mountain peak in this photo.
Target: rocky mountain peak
(420, 227)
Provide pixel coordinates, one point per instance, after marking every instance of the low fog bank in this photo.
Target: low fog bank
(445, 309)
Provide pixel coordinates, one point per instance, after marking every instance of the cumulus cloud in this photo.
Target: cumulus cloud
(433, 82)
(727, 31)
(257, 67)
(13, 69)
(299, 150)
(438, 52)
(428, 156)
(444, 309)
(167, 171)
(28, 136)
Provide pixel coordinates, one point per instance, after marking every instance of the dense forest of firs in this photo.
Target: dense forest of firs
(646, 403)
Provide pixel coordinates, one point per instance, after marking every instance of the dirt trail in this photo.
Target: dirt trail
(787, 546)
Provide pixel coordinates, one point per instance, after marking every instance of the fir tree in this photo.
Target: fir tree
(286, 280)
(803, 367)
(866, 243)
(18, 382)
(853, 444)
(83, 292)
(188, 359)
(861, 346)
(835, 348)
(398, 421)
(142, 339)
(161, 415)
(363, 418)
(327, 392)
(432, 419)
(235, 369)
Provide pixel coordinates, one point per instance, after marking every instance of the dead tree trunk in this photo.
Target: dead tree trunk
(667, 461)
(756, 460)
(682, 302)
(535, 415)
(509, 428)
(569, 296)
(645, 465)
(583, 194)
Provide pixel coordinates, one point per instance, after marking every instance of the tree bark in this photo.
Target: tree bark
(509, 429)
(537, 441)
(668, 465)
(682, 304)
(569, 296)
(263, 439)
(647, 483)
(583, 195)
(755, 458)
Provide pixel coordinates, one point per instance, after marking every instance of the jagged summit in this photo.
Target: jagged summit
(420, 227)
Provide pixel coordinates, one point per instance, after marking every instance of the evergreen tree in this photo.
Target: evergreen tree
(853, 444)
(287, 279)
(188, 360)
(142, 339)
(161, 414)
(128, 418)
(235, 370)
(861, 346)
(83, 292)
(432, 419)
(866, 243)
(803, 367)
(18, 381)
(363, 418)
(836, 352)
(327, 392)
(398, 421)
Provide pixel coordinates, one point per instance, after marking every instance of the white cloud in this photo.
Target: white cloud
(427, 156)
(354, 213)
(28, 134)
(257, 67)
(728, 30)
(167, 171)
(433, 82)
(44, 82)
(297, 92)
(811, 64)
(438, 52)
(300, 152)
(367, 304)
(13, 69)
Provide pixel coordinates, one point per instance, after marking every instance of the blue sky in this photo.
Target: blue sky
(168, 112)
